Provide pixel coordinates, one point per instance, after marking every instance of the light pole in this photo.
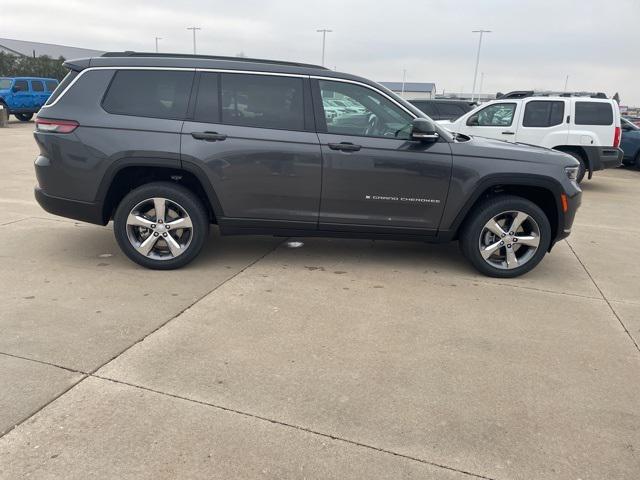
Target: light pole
(475, 72)
(194, 37)
(157, 38)
(480, 89)
(324, 37)
(566, 81)
(404, 80)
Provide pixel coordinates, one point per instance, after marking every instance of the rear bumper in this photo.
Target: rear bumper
(600, 158)
(64, 207)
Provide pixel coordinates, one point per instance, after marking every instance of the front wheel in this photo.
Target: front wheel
(506, 236)
(161, 225)
(24, 117)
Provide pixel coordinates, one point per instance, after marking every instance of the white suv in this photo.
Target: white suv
(585, 127)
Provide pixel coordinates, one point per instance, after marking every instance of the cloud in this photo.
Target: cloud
(534, 43)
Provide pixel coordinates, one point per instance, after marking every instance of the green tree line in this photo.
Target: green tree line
(43, 66)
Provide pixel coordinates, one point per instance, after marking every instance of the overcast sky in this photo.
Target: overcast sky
(534, 44)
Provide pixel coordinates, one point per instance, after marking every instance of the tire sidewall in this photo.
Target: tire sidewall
(173, 192)
(486, 211)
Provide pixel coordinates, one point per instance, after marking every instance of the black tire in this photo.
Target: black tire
(583, 166)
(185, 199)
(24, 117)
(473, 228)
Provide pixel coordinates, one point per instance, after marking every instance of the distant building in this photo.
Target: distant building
(23, 48)
(479, 97)
(412, 90)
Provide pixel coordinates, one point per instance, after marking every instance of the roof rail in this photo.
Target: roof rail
(533, 93)
(129, 53)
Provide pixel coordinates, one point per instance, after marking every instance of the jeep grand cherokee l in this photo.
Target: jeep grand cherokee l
(165, 145)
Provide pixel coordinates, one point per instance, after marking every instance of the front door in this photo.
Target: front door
(374, 177)
(254, 138)
(496, 120)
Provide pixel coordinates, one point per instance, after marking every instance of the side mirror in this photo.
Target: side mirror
(15, 89)
(473, 121)
(424, 130)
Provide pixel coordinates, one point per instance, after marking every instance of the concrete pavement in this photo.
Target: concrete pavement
(341, 359)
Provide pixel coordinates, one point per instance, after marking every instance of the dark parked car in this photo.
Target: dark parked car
(444, 109)
(630, 143)
(165, 145)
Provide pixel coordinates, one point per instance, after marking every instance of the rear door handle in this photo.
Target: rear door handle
(508, 133)
(209, 136)
(344, 146)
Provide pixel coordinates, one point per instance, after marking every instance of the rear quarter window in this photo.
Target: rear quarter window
(149, 93)
(51, 85)
(594, 113)
(427, 108)
(62, 86)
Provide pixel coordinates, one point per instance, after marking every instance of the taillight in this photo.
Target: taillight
(616, 137)
(56, 126)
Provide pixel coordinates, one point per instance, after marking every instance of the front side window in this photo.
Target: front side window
(21, 86)
(37, 86)
(496, 115)
(149, 93)
(594, 113)
(372, 115)
(543, 113)
(263, 101)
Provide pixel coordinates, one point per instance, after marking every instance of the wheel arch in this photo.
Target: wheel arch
(128, 174)
(580, 151)
(542, 191)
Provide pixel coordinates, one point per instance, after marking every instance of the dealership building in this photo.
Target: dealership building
(23, 48)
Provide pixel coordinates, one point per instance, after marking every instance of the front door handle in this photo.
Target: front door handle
(344, 146)
(508, 133)
(209, 136)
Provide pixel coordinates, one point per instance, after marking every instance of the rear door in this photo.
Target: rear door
(375, 179)
(39, 94)
(544, 122)
(497, 120)
(253, 136)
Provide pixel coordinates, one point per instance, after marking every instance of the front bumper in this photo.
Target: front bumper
(75, 209)
(567, 218)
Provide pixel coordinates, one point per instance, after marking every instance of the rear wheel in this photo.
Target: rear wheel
(161, 226)
(24, 117)
(583, 165)
(506, 236)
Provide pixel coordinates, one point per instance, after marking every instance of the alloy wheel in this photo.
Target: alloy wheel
(509, 240)
(159, 228)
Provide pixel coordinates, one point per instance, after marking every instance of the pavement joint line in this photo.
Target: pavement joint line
(297, 427)
(542, 290)
(14, 221)
(43, 362)
(93, 371)
(605, 298)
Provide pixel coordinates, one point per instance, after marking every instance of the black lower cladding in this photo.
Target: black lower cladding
(77, 210)
(603, 157)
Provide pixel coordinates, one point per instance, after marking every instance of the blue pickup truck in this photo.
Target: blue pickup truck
(23, 96)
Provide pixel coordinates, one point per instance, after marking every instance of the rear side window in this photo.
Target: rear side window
(594, 113)
(37, 86)
(51, 85)
(427, 108)
(149, 93)
(262, 101)
(451, 109)
(543, 113)
(207, 103)
(21, 86)
(62, 86)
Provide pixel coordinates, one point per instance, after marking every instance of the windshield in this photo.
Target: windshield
(5, 83)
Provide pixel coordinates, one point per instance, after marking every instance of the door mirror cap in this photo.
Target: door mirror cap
(473, 121)
(423, 130)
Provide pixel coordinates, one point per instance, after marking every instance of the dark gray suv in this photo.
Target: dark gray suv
(165, 145)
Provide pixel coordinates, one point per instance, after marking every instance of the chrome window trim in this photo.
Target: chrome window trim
(187, 69)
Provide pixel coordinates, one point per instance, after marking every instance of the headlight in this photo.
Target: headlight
(572, 173)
